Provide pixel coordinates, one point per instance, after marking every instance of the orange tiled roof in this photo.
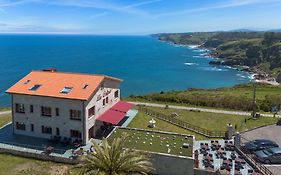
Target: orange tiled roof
(53, 82)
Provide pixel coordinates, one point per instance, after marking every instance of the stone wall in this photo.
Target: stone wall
(39, 156)
(204, 172)
(165, 164)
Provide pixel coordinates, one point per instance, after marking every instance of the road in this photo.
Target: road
(200, 109)
(5, 112)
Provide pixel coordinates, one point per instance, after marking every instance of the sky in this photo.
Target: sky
(137, 17)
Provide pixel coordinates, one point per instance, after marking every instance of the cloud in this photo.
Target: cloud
(108, 6)
(224, 4)
(98, 15)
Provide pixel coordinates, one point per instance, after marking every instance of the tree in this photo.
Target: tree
(114, 160)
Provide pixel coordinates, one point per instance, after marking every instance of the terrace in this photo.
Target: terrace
(156, 141)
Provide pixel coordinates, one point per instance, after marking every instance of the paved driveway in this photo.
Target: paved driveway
(271, 132)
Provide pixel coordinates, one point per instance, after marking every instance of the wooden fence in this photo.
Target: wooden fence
(183, 124)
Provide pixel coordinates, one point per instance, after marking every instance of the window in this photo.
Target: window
(46, 130)
(116, 94)
(75, 114)
(85, 86)
(103, 102)
(20, 126)
(46, 111)
(20, 108)
(66, 90)
(57, 131)
(57, 112)
(106, 100)
(75, 133)
(91, 111)
(35, 87)
(31, 127)
(31, 108)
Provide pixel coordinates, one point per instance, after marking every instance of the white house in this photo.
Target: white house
(67, 105)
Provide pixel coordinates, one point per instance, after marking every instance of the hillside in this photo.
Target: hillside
(260, 51)
(238, 97)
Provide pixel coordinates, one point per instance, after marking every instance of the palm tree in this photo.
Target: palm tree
(114, 160)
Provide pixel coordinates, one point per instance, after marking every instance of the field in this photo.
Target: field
(14, 165)
(155, 142)
(234, 98)
(210, 121)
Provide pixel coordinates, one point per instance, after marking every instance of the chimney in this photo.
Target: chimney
(50, 70)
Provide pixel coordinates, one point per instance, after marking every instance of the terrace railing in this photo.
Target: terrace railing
(250, 159)
(182, 124)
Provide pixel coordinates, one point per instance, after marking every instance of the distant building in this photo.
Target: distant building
(67, 105)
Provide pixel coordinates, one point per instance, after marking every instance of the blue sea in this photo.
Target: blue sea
(145, 64)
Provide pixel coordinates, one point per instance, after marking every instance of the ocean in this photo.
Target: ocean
(145, 64)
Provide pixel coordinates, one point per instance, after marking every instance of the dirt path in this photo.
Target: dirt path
(218, 111)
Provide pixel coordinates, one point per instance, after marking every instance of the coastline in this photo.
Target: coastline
(255, 75)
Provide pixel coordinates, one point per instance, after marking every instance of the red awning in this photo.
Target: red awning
(115, 114)
(112, 116)
(122, 106)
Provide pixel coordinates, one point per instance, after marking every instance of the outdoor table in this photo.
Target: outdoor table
(228, 162)
(237, 172)
(208, 158)
(215, 144)
(238, 160)
(220, 151)
(204, 147)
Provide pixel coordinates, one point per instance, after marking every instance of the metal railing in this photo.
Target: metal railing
(183, 124)
(249, 158)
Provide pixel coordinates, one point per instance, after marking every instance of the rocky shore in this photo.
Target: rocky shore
(256, 74)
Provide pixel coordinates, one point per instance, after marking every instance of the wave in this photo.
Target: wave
(196, 56)
(190, 64)
(214, 69)
(193, 46)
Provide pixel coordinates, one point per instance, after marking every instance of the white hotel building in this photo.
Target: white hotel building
(69, 105)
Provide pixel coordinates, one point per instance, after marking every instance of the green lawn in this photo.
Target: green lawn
(205, 120)
(4, 119)
(5, 108)
(141, 121)
(214, 121)
(238, 98)
(155, 142)
(13, 165)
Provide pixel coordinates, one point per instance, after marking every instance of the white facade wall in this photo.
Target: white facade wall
(107, 89)
(63, 121)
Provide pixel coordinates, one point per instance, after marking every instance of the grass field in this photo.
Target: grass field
(4, 119)
(5, 108)
(214, 121)
(141, 121)
(210, 121)
(14, 165)
(237, 98)
(155, 142)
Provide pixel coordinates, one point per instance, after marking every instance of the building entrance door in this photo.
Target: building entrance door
(91, 132)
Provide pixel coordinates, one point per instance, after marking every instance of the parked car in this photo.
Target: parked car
(260, 144)
(271, 155)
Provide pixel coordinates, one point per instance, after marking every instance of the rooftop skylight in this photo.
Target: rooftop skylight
(85, 86)
(35, 87)
(66, 90)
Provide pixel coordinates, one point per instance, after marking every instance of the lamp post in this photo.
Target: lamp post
(254, 100)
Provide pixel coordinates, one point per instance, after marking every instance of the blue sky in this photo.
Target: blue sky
(136, 16)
